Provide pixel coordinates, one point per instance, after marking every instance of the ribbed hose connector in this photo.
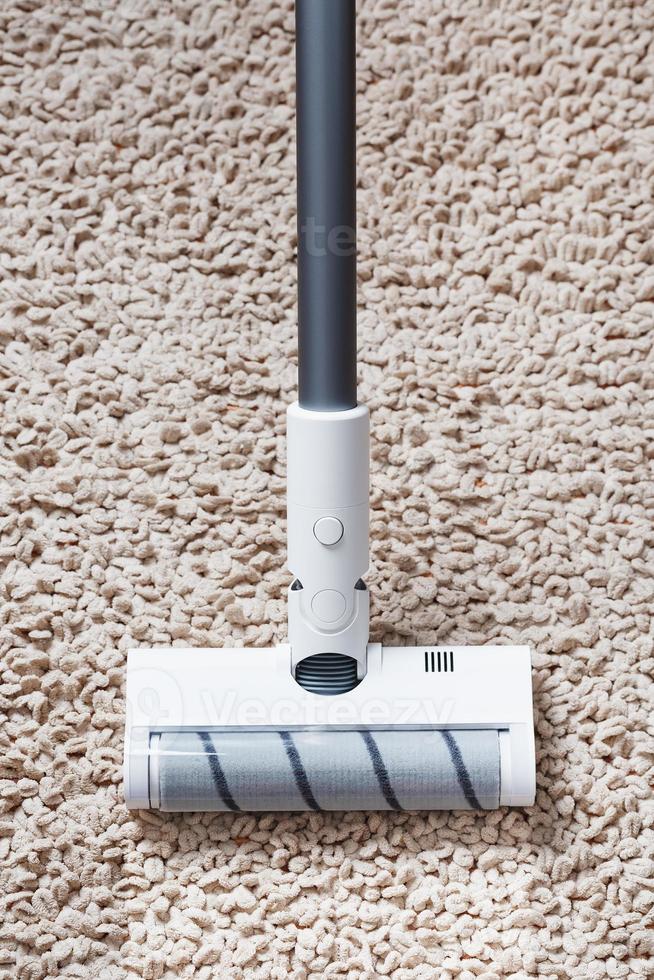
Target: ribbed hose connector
(327, 673)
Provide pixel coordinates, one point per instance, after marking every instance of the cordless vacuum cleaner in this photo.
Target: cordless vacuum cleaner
(328, 721)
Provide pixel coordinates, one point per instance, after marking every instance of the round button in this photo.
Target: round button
(328, 605)
(328, 530)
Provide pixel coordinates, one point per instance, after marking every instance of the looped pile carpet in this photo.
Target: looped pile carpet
(147, 327)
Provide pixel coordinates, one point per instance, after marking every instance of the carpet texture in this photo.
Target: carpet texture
(506, 170)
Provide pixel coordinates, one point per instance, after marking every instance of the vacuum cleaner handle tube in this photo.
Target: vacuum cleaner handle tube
(326, 199)
(327, 431)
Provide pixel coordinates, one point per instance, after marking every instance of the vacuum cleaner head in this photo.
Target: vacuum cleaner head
(329, 721)
(427, 728)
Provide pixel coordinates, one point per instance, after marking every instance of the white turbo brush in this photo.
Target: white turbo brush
(328, 721)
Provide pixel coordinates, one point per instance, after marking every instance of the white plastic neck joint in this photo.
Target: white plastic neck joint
(328, 491)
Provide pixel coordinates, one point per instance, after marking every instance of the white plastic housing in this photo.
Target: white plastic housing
(405, 688)
(328, 479)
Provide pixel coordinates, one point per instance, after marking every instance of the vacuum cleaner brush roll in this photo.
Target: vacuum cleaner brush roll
(333, 770)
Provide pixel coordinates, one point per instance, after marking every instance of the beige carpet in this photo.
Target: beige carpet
(148, 351)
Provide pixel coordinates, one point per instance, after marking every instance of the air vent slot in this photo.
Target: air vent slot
(439, 661)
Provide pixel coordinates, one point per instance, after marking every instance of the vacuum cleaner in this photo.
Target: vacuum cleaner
(328, 721)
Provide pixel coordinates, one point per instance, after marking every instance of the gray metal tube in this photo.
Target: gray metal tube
(326, 199)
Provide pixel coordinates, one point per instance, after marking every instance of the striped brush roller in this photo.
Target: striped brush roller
(335, 770)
